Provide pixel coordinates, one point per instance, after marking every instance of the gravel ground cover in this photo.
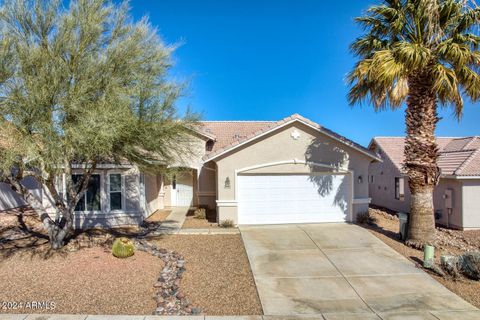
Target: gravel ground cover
(218, 278)
(84, 277)
(88, 281)
(194, 223)
(447, 242)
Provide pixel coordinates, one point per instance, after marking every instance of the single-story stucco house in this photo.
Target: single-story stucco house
(250, 172)
(456, 197)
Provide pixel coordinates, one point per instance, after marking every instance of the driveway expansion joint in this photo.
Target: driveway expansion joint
(312, 269)
(339, 271)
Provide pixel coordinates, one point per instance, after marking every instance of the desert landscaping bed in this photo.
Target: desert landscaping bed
(386, 227)
(88, 281)
(85, 278)
(218, 279)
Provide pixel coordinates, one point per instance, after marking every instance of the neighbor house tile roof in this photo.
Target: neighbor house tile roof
(230, 134)
(458, 156)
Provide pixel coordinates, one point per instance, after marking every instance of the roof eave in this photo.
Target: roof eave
(319, 129)
(452, 176)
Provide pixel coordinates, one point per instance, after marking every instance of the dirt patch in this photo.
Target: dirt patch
(194, 223)
(218, 278)
(89, 281)
(210, 222)
(386, 229)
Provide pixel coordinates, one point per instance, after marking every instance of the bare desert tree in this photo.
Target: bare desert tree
(80, 85)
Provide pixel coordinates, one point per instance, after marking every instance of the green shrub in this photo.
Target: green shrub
(123, 248)
(227, 223)
(200, 213)
(366, 218)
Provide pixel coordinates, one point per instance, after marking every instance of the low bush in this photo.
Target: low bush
(227, 223)
(200, 213)
(366, 218)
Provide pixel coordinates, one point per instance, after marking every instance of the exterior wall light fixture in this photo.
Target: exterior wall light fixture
(227, 183)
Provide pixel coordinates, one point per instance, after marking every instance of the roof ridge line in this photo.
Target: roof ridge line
(455, 151)
(473, 139)
(466, 162)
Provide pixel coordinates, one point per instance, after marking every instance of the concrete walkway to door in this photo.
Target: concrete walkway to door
(341, 271)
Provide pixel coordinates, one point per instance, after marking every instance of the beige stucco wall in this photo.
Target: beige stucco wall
(382, 190)
(471, 204)
(207, 185)
(453, 220)
(279, 146)
(153, 193)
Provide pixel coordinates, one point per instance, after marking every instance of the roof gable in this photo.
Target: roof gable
(257, 130)
(457, 156)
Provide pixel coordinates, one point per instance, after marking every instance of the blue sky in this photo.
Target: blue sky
(265, 60)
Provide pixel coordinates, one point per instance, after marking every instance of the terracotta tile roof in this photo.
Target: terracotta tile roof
(227, 132)
(458, 156)
(230, 134)
(451, 161)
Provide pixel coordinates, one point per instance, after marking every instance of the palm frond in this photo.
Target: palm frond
(470, 81)
(412, 55)
(367, 45)
(454, 53)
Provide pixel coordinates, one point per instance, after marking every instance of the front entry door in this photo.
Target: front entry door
(182, 190)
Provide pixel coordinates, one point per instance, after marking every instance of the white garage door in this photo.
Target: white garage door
(272, 199)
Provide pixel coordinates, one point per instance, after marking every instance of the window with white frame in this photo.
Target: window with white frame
(91, 199)
(399, 188)
(115, 190)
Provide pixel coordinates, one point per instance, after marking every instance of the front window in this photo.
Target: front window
(115, 191)
(91, 199)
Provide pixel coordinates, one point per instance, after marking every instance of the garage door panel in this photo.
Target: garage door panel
(264, 199)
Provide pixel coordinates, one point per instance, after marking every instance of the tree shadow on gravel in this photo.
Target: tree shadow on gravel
(21, 232)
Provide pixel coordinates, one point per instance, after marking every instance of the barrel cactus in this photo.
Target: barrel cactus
(122, 248)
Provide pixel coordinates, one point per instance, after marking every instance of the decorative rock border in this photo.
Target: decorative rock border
(170, 300)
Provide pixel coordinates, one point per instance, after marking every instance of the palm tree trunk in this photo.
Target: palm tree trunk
(421, 154)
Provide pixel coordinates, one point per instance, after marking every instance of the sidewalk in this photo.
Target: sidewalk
(445, 315)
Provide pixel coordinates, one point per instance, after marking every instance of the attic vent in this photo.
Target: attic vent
(209, 145)
(208, 130)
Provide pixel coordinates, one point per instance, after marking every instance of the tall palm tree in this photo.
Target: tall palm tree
(424, 53)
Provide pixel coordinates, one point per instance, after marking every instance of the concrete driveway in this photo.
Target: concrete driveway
(341, 271)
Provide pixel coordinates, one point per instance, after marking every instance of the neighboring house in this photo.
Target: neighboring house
(251, 172)
(456, 197)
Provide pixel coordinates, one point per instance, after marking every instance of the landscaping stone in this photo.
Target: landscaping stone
(170, 301)
(467, 264)
(470, 265)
